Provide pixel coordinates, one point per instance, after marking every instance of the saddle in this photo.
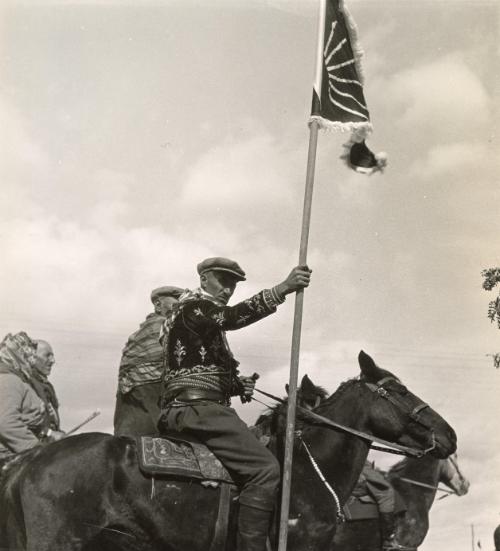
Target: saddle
(188, 458)
(184, 457)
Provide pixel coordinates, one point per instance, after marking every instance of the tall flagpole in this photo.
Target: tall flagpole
(299, 304)
(297, 325)
(335, 114)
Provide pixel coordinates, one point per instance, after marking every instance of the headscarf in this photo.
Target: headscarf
(18, 352)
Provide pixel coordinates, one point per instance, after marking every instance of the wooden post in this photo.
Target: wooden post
(295, 352)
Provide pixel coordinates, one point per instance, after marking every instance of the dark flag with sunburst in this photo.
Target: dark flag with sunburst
(338, 100)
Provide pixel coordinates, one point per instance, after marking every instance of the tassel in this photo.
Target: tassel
(361, 159)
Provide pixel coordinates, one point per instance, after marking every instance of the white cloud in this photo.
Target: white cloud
(452, 158)
(441, 97)
(19, 151)
(256, 173)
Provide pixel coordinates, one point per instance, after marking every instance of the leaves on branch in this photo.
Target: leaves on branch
(491, 280)
(496, 359)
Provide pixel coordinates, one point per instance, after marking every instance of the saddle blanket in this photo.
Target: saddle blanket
(173, 456)
(365, 507)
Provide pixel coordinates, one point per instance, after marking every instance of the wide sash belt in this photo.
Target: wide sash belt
(198, 394)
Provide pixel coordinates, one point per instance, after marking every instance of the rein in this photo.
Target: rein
(389, 447)
(424, 485)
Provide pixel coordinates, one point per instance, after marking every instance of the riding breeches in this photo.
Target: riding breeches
(228, 438)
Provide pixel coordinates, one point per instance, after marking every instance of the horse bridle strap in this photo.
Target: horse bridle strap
(378, 387)
(365, 436)
(424, 485)
(396, 448)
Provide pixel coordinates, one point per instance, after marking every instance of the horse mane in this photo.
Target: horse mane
(354, 381)
(397, 468)
(268, 422)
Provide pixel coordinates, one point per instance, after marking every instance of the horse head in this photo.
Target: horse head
(309, 396)
(451, 476)
(399, 416)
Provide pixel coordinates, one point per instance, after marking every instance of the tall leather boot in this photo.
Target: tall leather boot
(254, 519)
(388, 533)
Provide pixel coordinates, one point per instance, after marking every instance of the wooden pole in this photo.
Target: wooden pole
(472, 537)
(297, 325)
(89, 418)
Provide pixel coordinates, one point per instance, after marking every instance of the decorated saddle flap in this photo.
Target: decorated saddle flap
(178, 457)
(365, 507)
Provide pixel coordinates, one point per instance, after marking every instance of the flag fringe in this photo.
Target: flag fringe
(360, 130)
(352, 30)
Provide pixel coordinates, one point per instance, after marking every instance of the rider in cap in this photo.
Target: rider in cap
(202, 375)
(139, 379)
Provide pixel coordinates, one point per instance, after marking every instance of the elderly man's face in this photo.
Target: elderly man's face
(44, 358)
(164, 304)
(220, 285)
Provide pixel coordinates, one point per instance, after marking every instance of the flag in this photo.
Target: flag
(338, 100)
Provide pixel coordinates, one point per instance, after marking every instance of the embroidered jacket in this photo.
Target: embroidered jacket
(197, 354)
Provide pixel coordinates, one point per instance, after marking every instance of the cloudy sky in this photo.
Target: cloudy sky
(139, 137)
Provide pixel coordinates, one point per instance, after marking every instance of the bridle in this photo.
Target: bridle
(413, 414)
(389, 447)
(437, 488)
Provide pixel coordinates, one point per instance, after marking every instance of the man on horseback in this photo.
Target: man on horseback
(44, 360)
(202, 375)
(372, 483)
(139, 380)
(24, 420)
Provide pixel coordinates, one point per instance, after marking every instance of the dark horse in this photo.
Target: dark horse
(413, 524)
(86, 493)
(496, 538)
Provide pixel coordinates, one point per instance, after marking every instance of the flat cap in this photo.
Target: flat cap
(166, 291)
(220, 264)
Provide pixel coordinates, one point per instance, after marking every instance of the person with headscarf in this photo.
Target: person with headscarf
(24, 422)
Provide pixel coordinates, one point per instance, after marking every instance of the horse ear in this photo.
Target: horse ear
(369, 369)
(307, 385)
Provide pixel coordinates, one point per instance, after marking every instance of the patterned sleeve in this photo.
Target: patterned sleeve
(231, 318)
